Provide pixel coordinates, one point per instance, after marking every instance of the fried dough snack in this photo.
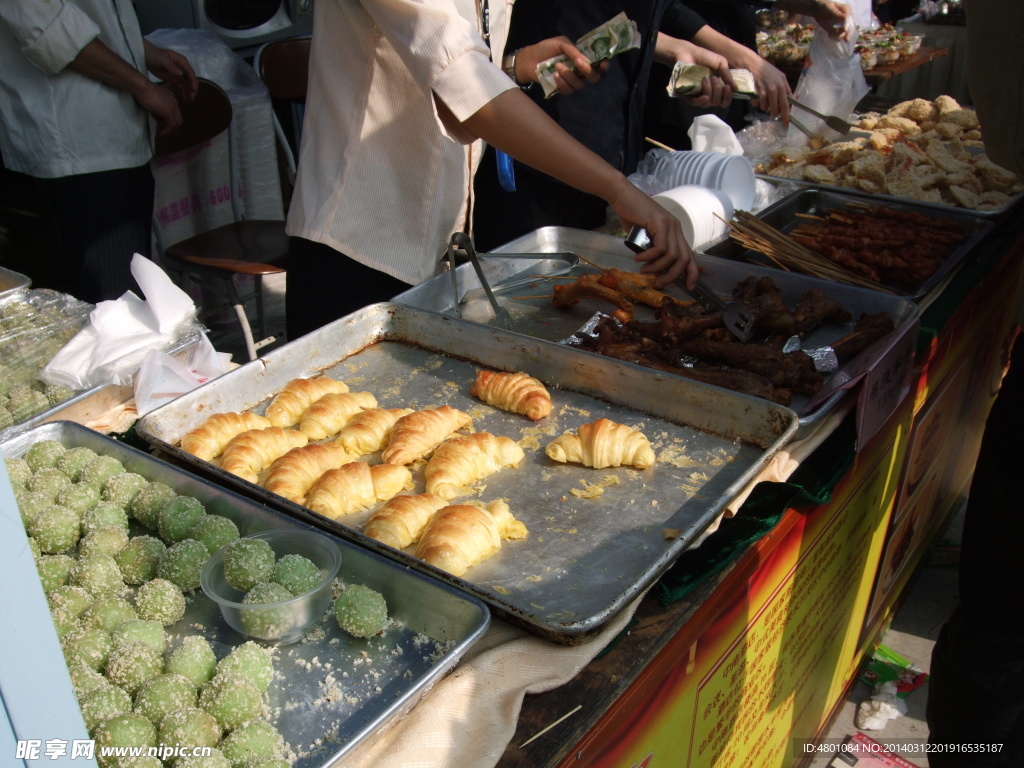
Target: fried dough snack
(515, 392)
(286, 408)
(252, 451)
(463, 459)
(356, 487)
(603, 443)
(329, 414)
(420, 432)
(294, 474)
(401, 521)
(210, 438)
(461, 536)
(370, 430)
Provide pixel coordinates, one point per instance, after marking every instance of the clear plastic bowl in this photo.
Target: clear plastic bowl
(285, 621)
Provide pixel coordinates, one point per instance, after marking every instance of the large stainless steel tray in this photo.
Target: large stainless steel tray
(596, 536)
(784, 216)
(534, 315)
(330, 691)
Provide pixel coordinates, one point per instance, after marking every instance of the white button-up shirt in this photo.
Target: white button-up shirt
(55, 122)
(380, 179)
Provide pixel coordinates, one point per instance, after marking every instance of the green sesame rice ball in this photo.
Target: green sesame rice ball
(143, 631)
(182, 564)
(145, 507)
(73, 460)
(252, 662)
(193, 660)
(139, 559)
(129, 665)
(177, 516)
(266, 592)
(64, 622)
(31, 505)
(215, 759)
(162, 695)
(98, 574)
(56, 529)
(43, 454)
(128, 729)
(89, 646)
(74, 600)
(108, 613)
(140, 761)
(18, 470)
(160, 600)
(297, 574)
(361, 611)
(54, 571)
(247, 562)
(122, 487)
(98, 471)
(103, 541)
(33, 547)
(253, 741)
(103, 515)
(232, 699)
(47, 481)
(214, 531)
(106, 701)
(272, 622)
(80, 498)
(191, 727)
(85, 680)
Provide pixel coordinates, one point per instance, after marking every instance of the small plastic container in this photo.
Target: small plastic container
(286, 621)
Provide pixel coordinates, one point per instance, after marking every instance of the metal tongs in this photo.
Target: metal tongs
(737, 318)
(837, 124)
(461, 241)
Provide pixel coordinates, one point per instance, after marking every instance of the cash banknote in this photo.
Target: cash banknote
(610, 39)
(686, 78)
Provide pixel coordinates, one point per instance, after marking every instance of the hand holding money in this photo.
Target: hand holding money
(610, 39)
(686, 81)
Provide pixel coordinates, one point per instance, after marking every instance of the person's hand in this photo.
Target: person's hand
(160, 102)
(772, 86)
(830, 15)
(568, 79)
(174, 69)
(670, 256)
(715, 91)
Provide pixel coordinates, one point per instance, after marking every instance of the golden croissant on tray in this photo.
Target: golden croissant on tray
(370, 430)
(401, 521)
(254, 450)
(355, 487)
(293, 474)
(327, 415)
(420, 432)
(515, 392)
(464, 459)
(211, 437)
(461, 536)
(603, 443)
(286, 408)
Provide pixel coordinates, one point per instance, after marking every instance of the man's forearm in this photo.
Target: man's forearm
(98, 62)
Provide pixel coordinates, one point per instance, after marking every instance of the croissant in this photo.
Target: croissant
(327, 415)
(418, 433)
(370, 430)
(464, 459)
(298, 394)
(209, 438)
(460, 536)
(601, 444)
(293, 474)
(355, 487)
(250, 452)
(515, 392)
(400, 522)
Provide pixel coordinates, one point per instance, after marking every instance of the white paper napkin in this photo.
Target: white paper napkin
(709, 133)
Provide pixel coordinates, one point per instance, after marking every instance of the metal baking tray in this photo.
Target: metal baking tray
(531, 309)
(11, 282)
(330, 691)
(783, 215)
(597, 537)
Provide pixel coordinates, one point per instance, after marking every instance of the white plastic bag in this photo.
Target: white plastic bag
(163, 377)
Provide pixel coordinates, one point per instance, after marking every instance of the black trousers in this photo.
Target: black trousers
(322, 285)
(104, 219)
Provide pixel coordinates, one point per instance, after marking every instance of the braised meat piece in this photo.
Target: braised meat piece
(814, 309)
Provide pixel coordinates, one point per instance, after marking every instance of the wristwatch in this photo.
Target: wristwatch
(508, 66)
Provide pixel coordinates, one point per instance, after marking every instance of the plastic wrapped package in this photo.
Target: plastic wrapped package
(34, 325)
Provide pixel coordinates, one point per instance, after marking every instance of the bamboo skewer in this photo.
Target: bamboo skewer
(658, 144)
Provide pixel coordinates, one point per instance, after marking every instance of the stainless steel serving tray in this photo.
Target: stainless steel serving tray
(330, 691)
(784, 216)
(535, 316)
(596, 537)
